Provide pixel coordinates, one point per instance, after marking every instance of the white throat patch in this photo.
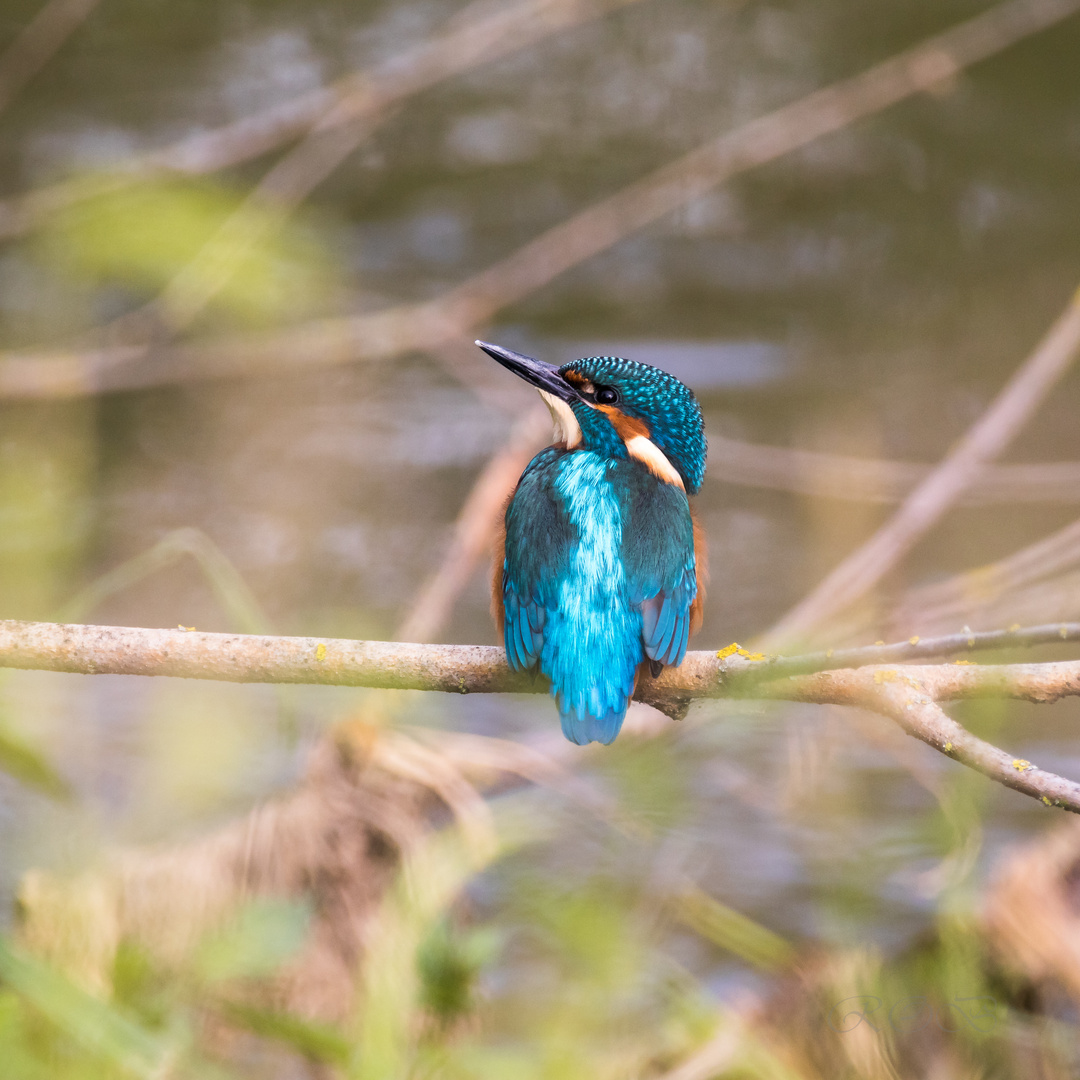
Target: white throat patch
(567, 429)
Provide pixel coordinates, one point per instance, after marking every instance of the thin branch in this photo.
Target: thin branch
(914, 649)
(38, 42)
(929, 502)
(1035, 578)
(332, 139)
(910, 697)
(478, 519)
(858, 479)
(387, 334)
(1038, 582)
(231, 590)
(475, 36)
(474, 529)
(907, 695)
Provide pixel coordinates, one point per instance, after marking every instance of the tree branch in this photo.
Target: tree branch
(475, 528)
(908, 695)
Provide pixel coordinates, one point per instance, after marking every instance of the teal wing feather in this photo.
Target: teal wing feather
(661, 567)
(665, 620)
(538, 541)
(523, 629)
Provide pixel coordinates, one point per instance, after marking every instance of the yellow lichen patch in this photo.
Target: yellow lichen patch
(965, 663)
(1064, 632)
(187, 629)
(948, 748)
(320, 651)
(879, 642)
(828, 653)
(884, 676)
(735, 649)
(913, 640)
(1015, 626)
(1046, 801)
(1020, 765)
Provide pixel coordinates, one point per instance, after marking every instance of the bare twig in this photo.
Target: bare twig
(915, 648)
(994, 430)
(474, 529)
(837, 476)
(475, 36)
(230, 588)
(1035, 578)
(333, 138)
(390, 333)
(38, 43)
(908, 695)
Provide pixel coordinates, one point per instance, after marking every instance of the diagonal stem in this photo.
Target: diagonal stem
(927, 504)
(474, 529)
(39, 41)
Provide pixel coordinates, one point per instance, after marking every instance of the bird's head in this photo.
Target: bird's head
(620, 408)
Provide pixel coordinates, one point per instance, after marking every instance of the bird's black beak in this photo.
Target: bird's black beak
(536, 372)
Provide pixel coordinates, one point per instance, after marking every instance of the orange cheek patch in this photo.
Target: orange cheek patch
(628, 427)
(635, 433)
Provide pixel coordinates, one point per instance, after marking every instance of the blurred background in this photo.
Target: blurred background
(242, 259)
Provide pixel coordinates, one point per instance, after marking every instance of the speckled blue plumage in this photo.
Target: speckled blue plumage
(599, 569)
(657, 398)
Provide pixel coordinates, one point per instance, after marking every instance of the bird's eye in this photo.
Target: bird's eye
(607, 396)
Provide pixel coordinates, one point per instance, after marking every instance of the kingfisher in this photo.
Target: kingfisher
(600, 569)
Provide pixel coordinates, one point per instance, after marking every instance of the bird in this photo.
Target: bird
(600, 568)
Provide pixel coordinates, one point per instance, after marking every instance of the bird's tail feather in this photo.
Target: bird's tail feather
(583, 728)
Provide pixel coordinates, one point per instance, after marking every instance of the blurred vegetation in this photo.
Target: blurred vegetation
(761, 892)
(126, 245)
(552, 975)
